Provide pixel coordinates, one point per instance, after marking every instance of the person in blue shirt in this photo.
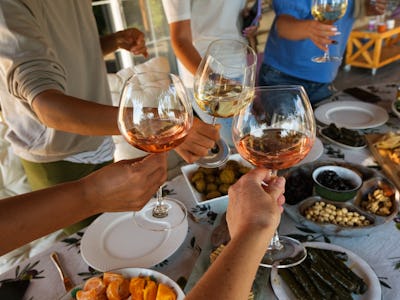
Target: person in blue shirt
(295, 37)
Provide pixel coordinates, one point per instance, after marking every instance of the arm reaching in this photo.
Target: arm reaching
(123, 186)
(253, 216)
(130, 39)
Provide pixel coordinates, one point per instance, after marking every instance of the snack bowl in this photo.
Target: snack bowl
(326, 226)
(137, 272)
(378, 196)
(208, 178)
(336, 183)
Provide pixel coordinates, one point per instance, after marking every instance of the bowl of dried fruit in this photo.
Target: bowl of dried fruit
(336, 183)
(209, 185)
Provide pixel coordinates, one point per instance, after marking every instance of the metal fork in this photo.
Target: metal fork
(68, 284)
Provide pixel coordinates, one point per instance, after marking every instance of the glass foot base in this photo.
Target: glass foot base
(175, 215)
(214, 159)
(325, 59)
(290, 254)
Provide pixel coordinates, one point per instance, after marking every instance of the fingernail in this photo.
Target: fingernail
(335, 42)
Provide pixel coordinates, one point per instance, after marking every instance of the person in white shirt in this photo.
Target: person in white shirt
(193, 26)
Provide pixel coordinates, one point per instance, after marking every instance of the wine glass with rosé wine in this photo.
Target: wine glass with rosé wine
(276, 131)
(155, 115)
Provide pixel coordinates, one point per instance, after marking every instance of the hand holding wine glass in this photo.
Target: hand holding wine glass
(155, 115)
(328, 12)
(276, 131)
(223, 85)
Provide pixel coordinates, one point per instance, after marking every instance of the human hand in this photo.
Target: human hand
(201, 138)
(377, 7)
(320, 34)
(133, 40)
(126, 185)
(250, 31)
(254, 207)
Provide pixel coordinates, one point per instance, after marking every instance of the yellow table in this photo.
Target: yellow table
(372, 49)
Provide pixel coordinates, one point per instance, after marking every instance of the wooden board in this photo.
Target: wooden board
(389, 167)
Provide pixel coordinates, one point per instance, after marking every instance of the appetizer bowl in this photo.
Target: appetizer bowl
(129, 273)
(210, 185)
(336, 183)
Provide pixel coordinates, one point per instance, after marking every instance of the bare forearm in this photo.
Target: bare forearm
(232, 274)
(70, 114)
(26, 217)
(108, 44)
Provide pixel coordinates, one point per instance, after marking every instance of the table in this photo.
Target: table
(381, 249)
(372, 49)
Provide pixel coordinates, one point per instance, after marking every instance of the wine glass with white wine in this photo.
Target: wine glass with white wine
(328, 12)
(223, 85)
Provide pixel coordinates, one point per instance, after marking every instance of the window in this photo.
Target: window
(147, 16)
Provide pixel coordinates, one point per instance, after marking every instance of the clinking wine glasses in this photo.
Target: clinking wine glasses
(223, 85)
(276, 131)
(328, 12)
(155, 115)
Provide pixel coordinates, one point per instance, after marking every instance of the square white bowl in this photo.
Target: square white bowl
(188, 171)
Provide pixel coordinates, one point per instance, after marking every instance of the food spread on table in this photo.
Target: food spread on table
(389, 145)
(113, 286)
(323, 275)
(344, 136)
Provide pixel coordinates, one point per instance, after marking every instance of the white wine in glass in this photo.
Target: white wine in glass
(328, 12)
(155, 115)
(223, 85)
(276, 131)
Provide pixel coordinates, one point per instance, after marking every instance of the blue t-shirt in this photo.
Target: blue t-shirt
(294, 57)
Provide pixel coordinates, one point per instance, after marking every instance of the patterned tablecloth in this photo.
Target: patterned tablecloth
(380, 249)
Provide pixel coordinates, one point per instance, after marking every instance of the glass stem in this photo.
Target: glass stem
(160, 210)
(275, 243)
(214, 149)
(326, 53)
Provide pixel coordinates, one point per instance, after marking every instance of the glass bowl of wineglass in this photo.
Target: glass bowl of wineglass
(328, 12)
(223, 85)
(155, 115)
(276, 131)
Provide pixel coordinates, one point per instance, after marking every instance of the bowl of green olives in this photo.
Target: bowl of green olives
(336, 183)
(211, 184)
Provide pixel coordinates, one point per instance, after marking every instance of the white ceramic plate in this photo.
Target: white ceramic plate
(114, 241)
(357, 264)
(394, 110)
(315, 152)
(188, 170)
(135, 272)
(339, 143)
(351, 114)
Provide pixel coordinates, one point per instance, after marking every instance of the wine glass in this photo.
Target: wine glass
(276, 131)
(328, 12)
(223, 85)
(155, 115)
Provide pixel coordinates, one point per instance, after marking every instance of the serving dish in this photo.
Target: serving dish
(135, 272)
(351, 114)
(189, 170)
(300, 195)
(395, 105)
(337, 142)
(356, 263)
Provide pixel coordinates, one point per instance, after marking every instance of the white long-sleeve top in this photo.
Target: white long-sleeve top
(50, 44)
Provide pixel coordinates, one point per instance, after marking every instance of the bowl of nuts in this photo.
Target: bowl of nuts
(209, 185)
(336, 183)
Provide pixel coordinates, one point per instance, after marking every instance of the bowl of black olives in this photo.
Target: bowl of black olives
(336, 183)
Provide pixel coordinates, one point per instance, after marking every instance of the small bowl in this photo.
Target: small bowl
(349, 176)
(189, 170)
